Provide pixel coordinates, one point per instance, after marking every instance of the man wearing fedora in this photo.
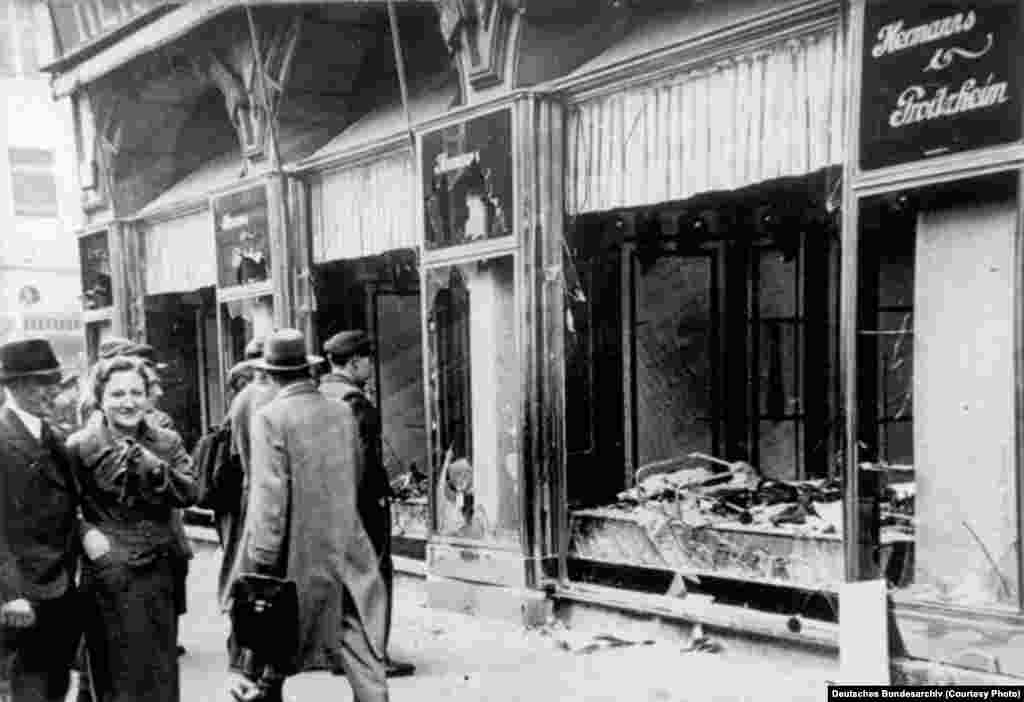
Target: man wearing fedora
(351, 354)
(39, 614)
(302, 523)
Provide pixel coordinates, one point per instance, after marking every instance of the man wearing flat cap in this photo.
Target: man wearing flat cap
(351, 355)
(39, 528)
(302, 523)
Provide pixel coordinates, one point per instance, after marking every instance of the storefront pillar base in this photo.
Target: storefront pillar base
(511, 604)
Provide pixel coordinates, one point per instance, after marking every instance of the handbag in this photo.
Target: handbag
(264, 612)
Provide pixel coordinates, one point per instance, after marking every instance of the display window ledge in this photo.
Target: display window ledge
(993, 616)
(701, 609)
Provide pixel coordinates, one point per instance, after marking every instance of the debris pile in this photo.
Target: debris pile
(739, 494)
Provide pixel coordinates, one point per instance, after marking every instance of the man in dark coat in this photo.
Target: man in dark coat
(302, 523)
(350, 354)
(245, 404)
(39, 613)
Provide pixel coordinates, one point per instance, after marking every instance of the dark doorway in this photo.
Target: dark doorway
(174, 328)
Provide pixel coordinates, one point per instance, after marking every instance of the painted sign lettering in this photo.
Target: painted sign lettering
(938, 77)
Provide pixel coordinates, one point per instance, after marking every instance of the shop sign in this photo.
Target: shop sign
(467, 181)
(243, 237)
(94, 256)
(937, 78)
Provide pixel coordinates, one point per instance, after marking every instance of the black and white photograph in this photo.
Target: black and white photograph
(500, 350)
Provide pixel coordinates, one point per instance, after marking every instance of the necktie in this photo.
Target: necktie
(47, 438)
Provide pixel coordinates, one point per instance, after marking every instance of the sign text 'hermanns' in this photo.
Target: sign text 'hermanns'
(938, 77)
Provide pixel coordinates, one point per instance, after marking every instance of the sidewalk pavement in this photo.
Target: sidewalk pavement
(460, 658)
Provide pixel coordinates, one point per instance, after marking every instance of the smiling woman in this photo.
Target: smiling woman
(133, 476)
(123, 398)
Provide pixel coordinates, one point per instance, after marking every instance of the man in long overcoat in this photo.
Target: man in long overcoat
(39, 529)
(302, 523)
(350, 354)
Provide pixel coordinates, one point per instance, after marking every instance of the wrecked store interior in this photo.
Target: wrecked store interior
(713, 323)
(935, 363)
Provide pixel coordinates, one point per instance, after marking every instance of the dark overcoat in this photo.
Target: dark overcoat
(38, 498)
(375, 494)
(131, 593)
(374, 489)
(231, 522)
(302, 517)
(38, 553)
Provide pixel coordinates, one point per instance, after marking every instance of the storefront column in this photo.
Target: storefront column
(280, 250)
(135, 280)
(302, 264)
(531, 268)
(549, 510)
(540, 126)
(121, 321)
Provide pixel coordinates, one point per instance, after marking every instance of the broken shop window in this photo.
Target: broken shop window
(935, 348)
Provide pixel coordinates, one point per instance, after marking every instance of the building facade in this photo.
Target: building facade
(38, 256)
(681, 308)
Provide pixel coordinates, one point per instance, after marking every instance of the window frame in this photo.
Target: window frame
(24, 37)
(20, 167)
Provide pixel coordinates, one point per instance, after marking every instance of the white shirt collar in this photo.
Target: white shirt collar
(33, 423)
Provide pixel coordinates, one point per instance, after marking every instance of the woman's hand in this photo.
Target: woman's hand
(146, 463)
(95, 544)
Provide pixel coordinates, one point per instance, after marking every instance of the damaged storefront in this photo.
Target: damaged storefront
(703, 429)
(694, 311)
(365, 244)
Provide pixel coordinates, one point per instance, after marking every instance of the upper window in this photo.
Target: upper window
(19, 39)
(468, 181)
(33, 182)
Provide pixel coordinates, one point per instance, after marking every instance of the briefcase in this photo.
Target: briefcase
(264, 613)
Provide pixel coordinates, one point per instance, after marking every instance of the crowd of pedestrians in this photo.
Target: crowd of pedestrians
(93, 551)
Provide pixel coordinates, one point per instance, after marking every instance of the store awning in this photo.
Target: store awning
(364, 187)
(179, 253)
(716, 125)
(99, 36)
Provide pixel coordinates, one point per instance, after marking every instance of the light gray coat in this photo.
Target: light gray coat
(306, 467)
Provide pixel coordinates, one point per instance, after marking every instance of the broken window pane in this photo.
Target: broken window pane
(675, 360)
(474, 391)
(937, 334)
(244, 320)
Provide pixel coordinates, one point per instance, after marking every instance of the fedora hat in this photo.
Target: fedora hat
(28, 357)
(285, 350)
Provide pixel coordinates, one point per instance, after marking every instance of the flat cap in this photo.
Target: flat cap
(349, 342)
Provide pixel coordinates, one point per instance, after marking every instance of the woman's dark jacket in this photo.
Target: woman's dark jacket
(129, 491)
